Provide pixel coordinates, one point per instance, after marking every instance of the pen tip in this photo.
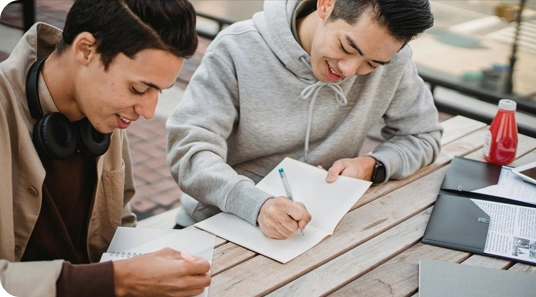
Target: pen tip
(281, 170)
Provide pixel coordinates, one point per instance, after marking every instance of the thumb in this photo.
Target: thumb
(334, 171)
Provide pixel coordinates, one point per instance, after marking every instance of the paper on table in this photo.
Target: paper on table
(512, 187)
(327, 204)
(511, 231)
(129, 242)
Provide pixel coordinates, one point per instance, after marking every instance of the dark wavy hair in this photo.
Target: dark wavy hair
(130, 26)
(404, 19)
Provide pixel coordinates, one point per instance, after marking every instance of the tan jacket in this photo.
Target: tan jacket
(22, 175)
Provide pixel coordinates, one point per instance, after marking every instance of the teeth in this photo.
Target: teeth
(124, 119)
(332, 70)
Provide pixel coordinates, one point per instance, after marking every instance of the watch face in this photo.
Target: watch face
(378, 175)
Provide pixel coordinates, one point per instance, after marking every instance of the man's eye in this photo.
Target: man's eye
(136, 92)
(372, 66)
(343, 49)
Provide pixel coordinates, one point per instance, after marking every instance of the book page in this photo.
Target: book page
(512, 232)
(129, 242)
(327, 203)
(200, 244)
(242, 233)
(511, 186)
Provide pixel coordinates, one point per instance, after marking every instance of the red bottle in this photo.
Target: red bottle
(500, 144)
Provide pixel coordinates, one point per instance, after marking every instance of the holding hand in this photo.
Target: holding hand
(360, 167)
(163, 273)
(279, 217)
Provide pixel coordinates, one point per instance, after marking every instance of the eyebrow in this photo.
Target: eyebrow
(352, 44)
(151, 85)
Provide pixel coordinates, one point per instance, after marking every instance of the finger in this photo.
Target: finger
(302, 224)
(186, 256)
(194, 283)
(335, 170)
(198, 267)
(284, 225)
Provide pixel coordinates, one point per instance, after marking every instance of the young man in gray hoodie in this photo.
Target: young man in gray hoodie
(307, 80)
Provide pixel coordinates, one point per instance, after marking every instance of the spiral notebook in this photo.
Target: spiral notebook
(129, 242)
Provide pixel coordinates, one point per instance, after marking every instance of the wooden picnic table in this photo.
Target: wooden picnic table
(376, 248)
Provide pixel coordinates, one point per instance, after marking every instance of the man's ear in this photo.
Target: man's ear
(84, 48)
(324, 8)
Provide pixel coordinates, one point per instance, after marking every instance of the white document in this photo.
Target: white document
(512, 230)
(327, 204)
(129, 242)
(511, 186)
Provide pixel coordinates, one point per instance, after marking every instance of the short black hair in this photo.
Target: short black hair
(130, 26)
(404, 19)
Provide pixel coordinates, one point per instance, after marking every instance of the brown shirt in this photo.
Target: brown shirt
(62, 225)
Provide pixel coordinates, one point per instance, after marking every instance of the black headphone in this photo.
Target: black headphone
(54, 136)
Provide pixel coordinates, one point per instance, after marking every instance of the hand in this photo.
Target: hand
(279, 217)
(360, 167)
(163, 273)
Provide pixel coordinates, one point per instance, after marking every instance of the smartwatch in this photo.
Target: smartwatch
(378, 175)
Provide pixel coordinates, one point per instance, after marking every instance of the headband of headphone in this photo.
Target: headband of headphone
(54, 136)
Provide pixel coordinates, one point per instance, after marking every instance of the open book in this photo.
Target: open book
(327, 204)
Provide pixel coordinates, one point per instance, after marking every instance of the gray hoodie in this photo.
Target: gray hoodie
(254, 100)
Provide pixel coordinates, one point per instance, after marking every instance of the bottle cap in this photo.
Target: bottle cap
(507, 104)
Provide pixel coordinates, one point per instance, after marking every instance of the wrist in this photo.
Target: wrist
(378, 172)
(120, 288)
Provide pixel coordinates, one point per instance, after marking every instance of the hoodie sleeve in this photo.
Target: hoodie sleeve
(412, 132)
(197, 146)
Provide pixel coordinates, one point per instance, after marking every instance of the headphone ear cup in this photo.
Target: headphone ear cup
(90, 141)
(54, 137)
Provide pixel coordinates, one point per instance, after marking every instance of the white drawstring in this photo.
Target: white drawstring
(312, 91)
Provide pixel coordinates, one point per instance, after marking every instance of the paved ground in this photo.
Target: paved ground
(441, 48)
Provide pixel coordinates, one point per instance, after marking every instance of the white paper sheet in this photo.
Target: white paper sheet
(511, 186)
(327, 203)
(129, 242)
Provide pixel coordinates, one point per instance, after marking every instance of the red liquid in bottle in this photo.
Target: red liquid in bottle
(500, 145)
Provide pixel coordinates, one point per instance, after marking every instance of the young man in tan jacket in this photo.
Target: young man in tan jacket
(66, 178)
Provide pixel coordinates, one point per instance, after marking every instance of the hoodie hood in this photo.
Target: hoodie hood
(274, 24)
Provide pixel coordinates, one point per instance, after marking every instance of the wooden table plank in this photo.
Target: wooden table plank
(461, 147)
(400, 275)
(357, 261)
(227, 256)
(394, 281)
(240, 272)
(459, 126)
(244, 278)
(356, 227)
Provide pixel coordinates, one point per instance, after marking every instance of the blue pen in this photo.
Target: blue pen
(287, 187)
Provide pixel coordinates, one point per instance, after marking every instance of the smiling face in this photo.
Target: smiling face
(339, 50)
(127, 90)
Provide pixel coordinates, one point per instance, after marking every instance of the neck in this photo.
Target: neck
(306, 28)
(59, 75)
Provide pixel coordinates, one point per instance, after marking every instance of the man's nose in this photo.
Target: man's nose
(147, 107)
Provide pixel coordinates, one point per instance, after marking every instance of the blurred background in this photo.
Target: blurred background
(466, 60)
